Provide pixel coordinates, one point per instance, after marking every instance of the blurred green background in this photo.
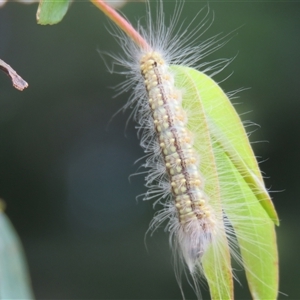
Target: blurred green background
(65, 162)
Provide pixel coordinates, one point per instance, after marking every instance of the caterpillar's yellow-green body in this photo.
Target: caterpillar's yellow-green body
(195, 221)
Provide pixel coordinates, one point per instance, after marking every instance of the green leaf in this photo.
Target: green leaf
(51, 11)
(256, 238)
(228, 130)
(15, 281)
(235, 187)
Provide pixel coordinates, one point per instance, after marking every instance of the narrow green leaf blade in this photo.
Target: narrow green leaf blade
(244, 199)
(51, 11)
(256, 237)
(229, 131)
(216, 261)
(217, 269)
(15, 281)
(226, 126)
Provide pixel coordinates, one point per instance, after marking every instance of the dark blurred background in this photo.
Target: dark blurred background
(64, 166)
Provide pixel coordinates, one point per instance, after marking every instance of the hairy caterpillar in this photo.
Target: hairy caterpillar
(209, 186)
(193, 220)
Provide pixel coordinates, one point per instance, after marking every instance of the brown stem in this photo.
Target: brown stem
(18, 82)
(121, 23)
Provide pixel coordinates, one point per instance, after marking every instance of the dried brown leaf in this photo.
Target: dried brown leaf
(17, 81)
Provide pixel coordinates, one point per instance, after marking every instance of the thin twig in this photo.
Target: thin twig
(18, 82)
